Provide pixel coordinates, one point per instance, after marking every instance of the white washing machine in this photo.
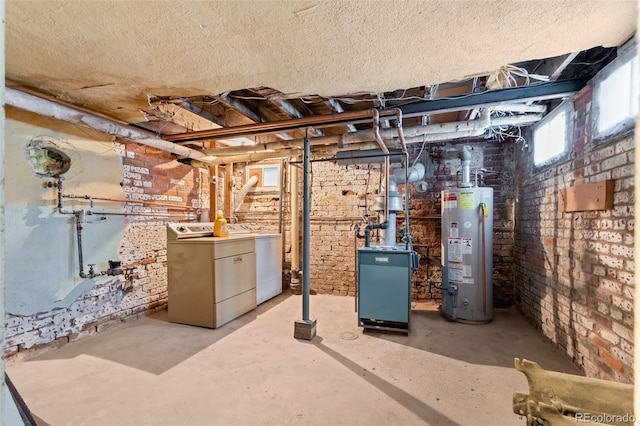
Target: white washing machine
(211, 280)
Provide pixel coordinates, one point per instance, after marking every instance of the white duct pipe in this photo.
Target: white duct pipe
(483, 122)
(519, 108)
(256, 156)
(418, 134)
(465, 157)
(41, 106)
(414, 174)
(239, 198)
(446, 136)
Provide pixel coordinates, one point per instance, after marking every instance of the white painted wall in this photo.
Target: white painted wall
(41, 251)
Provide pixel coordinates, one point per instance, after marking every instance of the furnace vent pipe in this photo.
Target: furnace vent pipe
(400, 176)
(465, 157)
(413, 174)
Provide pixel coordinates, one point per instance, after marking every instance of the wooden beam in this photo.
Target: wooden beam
(336, 106)
(229, 102)
(202, 113)
(228, 190)
(213, 192)
(293, 112)
(190, 121)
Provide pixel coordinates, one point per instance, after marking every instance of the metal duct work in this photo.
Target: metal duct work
(465, 157)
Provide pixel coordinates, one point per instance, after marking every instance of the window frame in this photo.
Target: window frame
(626, 53)
(259, 169)
(566, 107)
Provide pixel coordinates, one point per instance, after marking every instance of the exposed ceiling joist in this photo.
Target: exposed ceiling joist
(336, 106)
(293, 112)
(202, 113)
(191, 121)
(245, 111)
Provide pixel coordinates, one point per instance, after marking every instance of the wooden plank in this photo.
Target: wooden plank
(228, 190)
(586, 197)
(213, 192)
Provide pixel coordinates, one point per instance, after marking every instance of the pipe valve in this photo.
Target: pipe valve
(452, 290)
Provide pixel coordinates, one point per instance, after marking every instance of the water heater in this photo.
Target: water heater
(467, 252)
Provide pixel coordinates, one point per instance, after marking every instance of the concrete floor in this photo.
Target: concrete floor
(253, 372)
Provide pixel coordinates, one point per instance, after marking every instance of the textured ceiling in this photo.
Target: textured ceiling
(109, 56)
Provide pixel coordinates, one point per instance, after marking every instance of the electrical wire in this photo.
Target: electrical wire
(506, 74)
(595, 62)
(424, 143)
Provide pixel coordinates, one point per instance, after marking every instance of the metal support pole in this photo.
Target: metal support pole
(306, 232)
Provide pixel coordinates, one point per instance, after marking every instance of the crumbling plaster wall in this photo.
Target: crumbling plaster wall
(47, 303)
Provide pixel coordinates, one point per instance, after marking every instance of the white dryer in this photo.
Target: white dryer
(211, 280)
(268, 262)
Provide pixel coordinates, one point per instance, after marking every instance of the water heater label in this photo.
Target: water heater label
(467, 201)
(455, 250)
(467, 246)
(453, 230)
(450, 201)
(382, 259)
(455, 274)
(466, 271)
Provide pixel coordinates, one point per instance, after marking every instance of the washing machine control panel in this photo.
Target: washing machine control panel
(178, 231)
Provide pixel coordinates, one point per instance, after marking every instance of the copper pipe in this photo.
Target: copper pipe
(407, 225)
(161, 215)
(278, 126)
(383, 147)
(116, 200)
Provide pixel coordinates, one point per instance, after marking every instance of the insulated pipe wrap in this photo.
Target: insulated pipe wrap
(243, 192)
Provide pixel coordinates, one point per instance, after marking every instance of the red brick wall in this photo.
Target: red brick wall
(338, 194)
(575, 270)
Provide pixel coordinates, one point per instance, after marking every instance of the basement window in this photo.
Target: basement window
(268, 177)
(550, 136)
(616, 95)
